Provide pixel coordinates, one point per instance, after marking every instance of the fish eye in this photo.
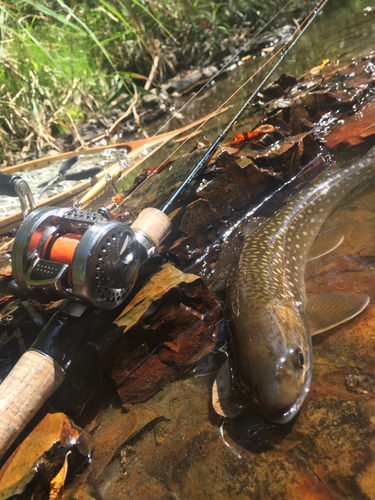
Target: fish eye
(299, 357)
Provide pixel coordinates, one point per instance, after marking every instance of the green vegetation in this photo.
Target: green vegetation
(62, 62)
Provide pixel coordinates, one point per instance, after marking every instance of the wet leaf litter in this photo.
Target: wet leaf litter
(167, 423)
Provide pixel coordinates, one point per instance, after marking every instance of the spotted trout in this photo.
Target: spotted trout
(270, 319)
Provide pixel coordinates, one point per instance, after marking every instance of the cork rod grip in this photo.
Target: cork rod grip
(27, 387)
(154, 223)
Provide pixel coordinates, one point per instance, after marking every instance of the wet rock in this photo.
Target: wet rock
(198, 215)
(151, 100)
(279, 87)
(354, 129)
(170, 323)
(188, 81)
(232, 186)
(270, 38)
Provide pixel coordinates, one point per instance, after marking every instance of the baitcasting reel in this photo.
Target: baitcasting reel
(87, 256)
(59, 253)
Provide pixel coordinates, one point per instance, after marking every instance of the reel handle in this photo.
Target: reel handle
(14, 185)
(8, 184)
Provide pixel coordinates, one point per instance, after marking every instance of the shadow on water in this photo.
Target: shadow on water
(253, 433)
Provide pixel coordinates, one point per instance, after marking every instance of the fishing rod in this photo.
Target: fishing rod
(90, 259)
(100, 186)
(220, 138)
(221, 70)
(285, 49)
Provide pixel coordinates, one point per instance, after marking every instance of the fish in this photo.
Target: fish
(270, 318)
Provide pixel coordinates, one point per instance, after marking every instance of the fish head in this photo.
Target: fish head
(274, 374)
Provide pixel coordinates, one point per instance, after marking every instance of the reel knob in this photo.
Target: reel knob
(106, 263)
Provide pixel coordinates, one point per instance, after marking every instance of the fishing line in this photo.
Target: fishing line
(225, 237)
(220, 71)
(251, 212)
(213, 148)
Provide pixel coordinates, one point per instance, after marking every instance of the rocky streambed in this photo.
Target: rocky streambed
(134, 417)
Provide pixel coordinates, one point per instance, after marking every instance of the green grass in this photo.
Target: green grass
(62, 62)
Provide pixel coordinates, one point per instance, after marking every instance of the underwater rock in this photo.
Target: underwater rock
(115, 430)
(32, 469)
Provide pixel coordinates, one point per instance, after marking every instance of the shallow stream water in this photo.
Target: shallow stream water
(185, 451)
(173, 445)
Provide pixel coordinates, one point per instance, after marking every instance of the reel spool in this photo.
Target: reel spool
(87, 256)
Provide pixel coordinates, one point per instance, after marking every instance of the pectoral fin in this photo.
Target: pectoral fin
(325, 244)
(222, 394)
(327, 310)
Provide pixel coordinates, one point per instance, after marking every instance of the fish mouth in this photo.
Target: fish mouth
(287, 413)
(284, 415)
